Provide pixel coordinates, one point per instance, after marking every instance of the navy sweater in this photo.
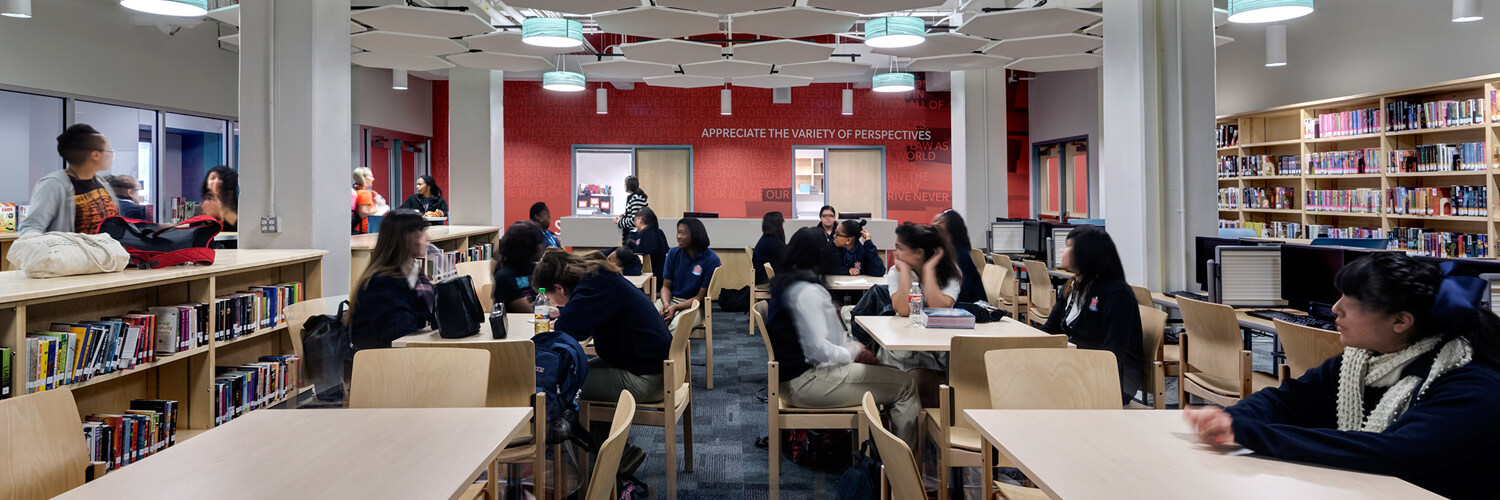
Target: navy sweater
(1109, 319)
(387, 310)
(972, 289)
(1444, 442)
(628, 332)
(838, 261)
(767, 250)
(650, 242)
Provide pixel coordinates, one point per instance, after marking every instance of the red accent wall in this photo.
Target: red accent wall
(380, 160)
(439, 154)
(737, 177)
(1018, 122)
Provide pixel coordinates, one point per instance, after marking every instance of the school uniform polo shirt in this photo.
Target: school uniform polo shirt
(688, 274)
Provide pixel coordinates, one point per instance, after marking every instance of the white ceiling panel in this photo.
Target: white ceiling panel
(683, 81)
(727, 69)
(723, 6)
(1221, 40)
(626, 69)
(402, 43)
(671, 51)
(782, 52)
(874, 6)
(1068, 62)
(501, 62)
(1221, 17)
(357, 28)
(773, 81)
(399, 61)
(658, 22)
(958, 62)
(1035, 21)
(227, 15)
(419, 21)
(823, 69)
(510, 42)
(793, 22)
(574, 6)
(231, 39)
(1049, 45)
(939, 44)
(1096, 30)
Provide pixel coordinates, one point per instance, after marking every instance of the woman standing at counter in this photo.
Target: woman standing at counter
(429, 198)
(649, 240)
(633, 205)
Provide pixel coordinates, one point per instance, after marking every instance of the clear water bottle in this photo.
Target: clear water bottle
(542, 311)
(914, 301)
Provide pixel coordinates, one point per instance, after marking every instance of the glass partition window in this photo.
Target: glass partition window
(807, 190)
(29, 126)
(132, 132)
(600, 176)
(193, 146)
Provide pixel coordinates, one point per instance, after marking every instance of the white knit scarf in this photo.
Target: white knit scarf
(1363, 368)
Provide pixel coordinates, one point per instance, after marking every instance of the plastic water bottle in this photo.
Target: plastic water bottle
(542, 311)
(914, 301)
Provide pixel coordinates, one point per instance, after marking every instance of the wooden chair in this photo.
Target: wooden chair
(419, 378)
(602, 481)
(1215, 365)
(1042, 296)
(1153, 331)
(1010, 299)
(1053, 379)
(898, 467)
(1306, 348)
(42, 452)
(1013, 492)
(482, 272)
(770, 271)
(646, 264)
(676, 405)
(785, 417)
(977, 256)
(968, 388)
(724, 277)
(991, 275)
(758, 292)
(1142, 296)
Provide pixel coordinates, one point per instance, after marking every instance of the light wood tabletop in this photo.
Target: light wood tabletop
(434, 234)
(852, 283)
(896, 333)
(1154, 454)
(517, 326)
(397, 453)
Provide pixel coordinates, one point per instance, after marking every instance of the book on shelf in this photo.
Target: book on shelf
(1266, 229)
(1280, 198)
(1359, 161)
(1227, 135)
(119, 439)
(1268, 165)
(1350, 201)
(243, 388)
(442, 265)
(1432, 243)
(1323, 231)
(1412, 115)
(1229, 198)
(1229, 167)
(949, 318)
(5, 372)
(1342, 124)
(1466, 201)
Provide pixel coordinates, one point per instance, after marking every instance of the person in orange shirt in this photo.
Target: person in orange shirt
(363, 203)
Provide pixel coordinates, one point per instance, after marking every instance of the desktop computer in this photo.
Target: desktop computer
(1008, 237)
(1035, 236)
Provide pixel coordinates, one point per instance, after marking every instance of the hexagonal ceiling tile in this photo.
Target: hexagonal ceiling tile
(939, 44)
(402, 43)
(622, 68)
(228, 15)
(793, 22)
(399, 61)
(419, 21)
(1035, 21)
(727, 69)
(957, 62)
(873, 6)
(1221, 40)
(683, 81)
(782, 52)
(724, 6)
(1096, 30)
(658, 22)
(671, 51)
(1068, 62)
(231, 39)
(823, 69)
(510, 42)
(574, 6)
(773, 81)
(501, 62)
(1049, 45)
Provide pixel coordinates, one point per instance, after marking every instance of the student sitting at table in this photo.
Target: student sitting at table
(520, 247)
(768, 249)
(625, 259)
(820, 366)
(852, 253)
(1413, 395)
(924, 256)
(1099, 310)
(393, 298)
(952, 223)
(542, 216)
(689, 268)
(648, 239)
(428, 199)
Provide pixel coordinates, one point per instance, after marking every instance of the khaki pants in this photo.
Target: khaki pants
(672, 325)
(605, 382)
(846, 385)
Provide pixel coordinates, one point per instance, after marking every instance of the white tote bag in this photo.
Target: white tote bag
(66, 254)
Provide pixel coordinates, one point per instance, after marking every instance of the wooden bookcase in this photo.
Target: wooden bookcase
(448, 238)
(28, 305)
(1279, 132)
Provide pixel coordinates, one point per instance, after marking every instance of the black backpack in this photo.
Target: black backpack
(820, 450)
(734, 299)
(862, 480)
(329, 352)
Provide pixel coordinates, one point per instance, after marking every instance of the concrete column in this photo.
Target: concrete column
(979, 149)
(294, 129)
(1156, 188)
(476, 156)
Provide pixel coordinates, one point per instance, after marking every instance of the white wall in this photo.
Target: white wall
(29, 126)
(1355, 46)
(376, 104)
(1066, 104)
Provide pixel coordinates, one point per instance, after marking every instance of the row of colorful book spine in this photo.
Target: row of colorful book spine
(1413, 115)
(1355, 201)
(1359, 161)
(1342, 124)
(1468, 201)
(1439, 243)
(240, 389)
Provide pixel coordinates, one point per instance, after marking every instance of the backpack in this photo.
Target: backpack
(862, 480)
(820, 450)
(734, 299)
(329, 352)
(561, 367)
(155, 246)
(631, 488)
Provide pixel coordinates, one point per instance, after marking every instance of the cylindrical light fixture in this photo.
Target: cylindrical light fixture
(179, 8)
(601, 101)
(552, 32)
(1267, 11)
(894, 32)
(848, 101)
(1275, 45)
(724, 106)
(563, 81)
(894, 82)
(15, 8)
(1465, 11)
(398, 79)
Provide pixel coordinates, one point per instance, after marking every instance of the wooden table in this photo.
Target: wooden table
(517, 326)
(831, 282)
(1154, 454)
(645, 283)
(324, 453)
(896, 333)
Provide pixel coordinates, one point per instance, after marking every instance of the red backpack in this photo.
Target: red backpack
(154, 246)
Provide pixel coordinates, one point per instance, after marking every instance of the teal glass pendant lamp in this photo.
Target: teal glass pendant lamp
(895, 32)
(894, 82)
(1268, 11)
(552, 32)
(179, 8)
(563, 81)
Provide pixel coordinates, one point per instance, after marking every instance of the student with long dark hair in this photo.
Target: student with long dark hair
(393, 299)
(827, 217)
(768, 249)
(924, 256)
(1413, 395)
(520, 247)
(625, 259)
(428, 200)
(633, 205)
(542, 216)
(649, 240)
(852, 253)
(221, 196)
(688, 270)
(1098, 308)
(953, 224)
(820, 366)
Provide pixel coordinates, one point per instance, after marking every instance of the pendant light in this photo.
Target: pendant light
(1275, 45)
(724, 102)
(894, 82)
(895, 32)
(398, 79)
(601, 101)
(1267, 11)
(1465, 11)
(563, 81)
(552, 32)
(16, 8)
(179, 8)
(848, 102)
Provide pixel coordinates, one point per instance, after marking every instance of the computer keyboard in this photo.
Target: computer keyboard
(1184, 293)
(1297, 319)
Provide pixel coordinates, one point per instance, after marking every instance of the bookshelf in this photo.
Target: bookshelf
(1357, 127)
(28, 305)
(447, 238)
(6, 240)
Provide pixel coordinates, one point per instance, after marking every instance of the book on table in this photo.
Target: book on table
(949, 318)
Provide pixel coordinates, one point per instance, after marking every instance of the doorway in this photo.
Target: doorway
(1063, 188)
(851, 179)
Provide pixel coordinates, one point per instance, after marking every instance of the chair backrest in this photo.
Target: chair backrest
(413, 377)
(770, 272)
(966, 369)
(991, 275)
(42, 452)
(678, 353)
(1053, 379)
(1008, 282)
(1042, 294)
(900, 468)
(602, 482)
(1214, 342)
(758, 318)
(1142, 296)
(1306, 347)
(1153, 336)
(482, 272)
(297, 314)
(1237, 232)
(977, 256)
(512, 379)
(646, 265)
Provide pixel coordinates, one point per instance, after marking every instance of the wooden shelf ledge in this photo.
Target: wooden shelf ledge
(140, 368)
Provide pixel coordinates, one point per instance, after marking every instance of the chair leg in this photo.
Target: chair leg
(708, 349)
(687, 437)
(539, 468)
(774, 440)
(943, 472)
(671, 469)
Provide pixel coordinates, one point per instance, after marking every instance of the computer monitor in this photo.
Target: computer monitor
(1307, 274)
(1032, 237)
(854, 215)
(1205, 247)
(701, 215)
(1008, 237)
(1059, 236)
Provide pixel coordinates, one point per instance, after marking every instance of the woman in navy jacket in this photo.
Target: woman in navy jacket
(852, 253)
(648, 239)
(393, 298)
(1097, 309)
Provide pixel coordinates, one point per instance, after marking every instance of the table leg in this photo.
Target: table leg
(987, 469)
